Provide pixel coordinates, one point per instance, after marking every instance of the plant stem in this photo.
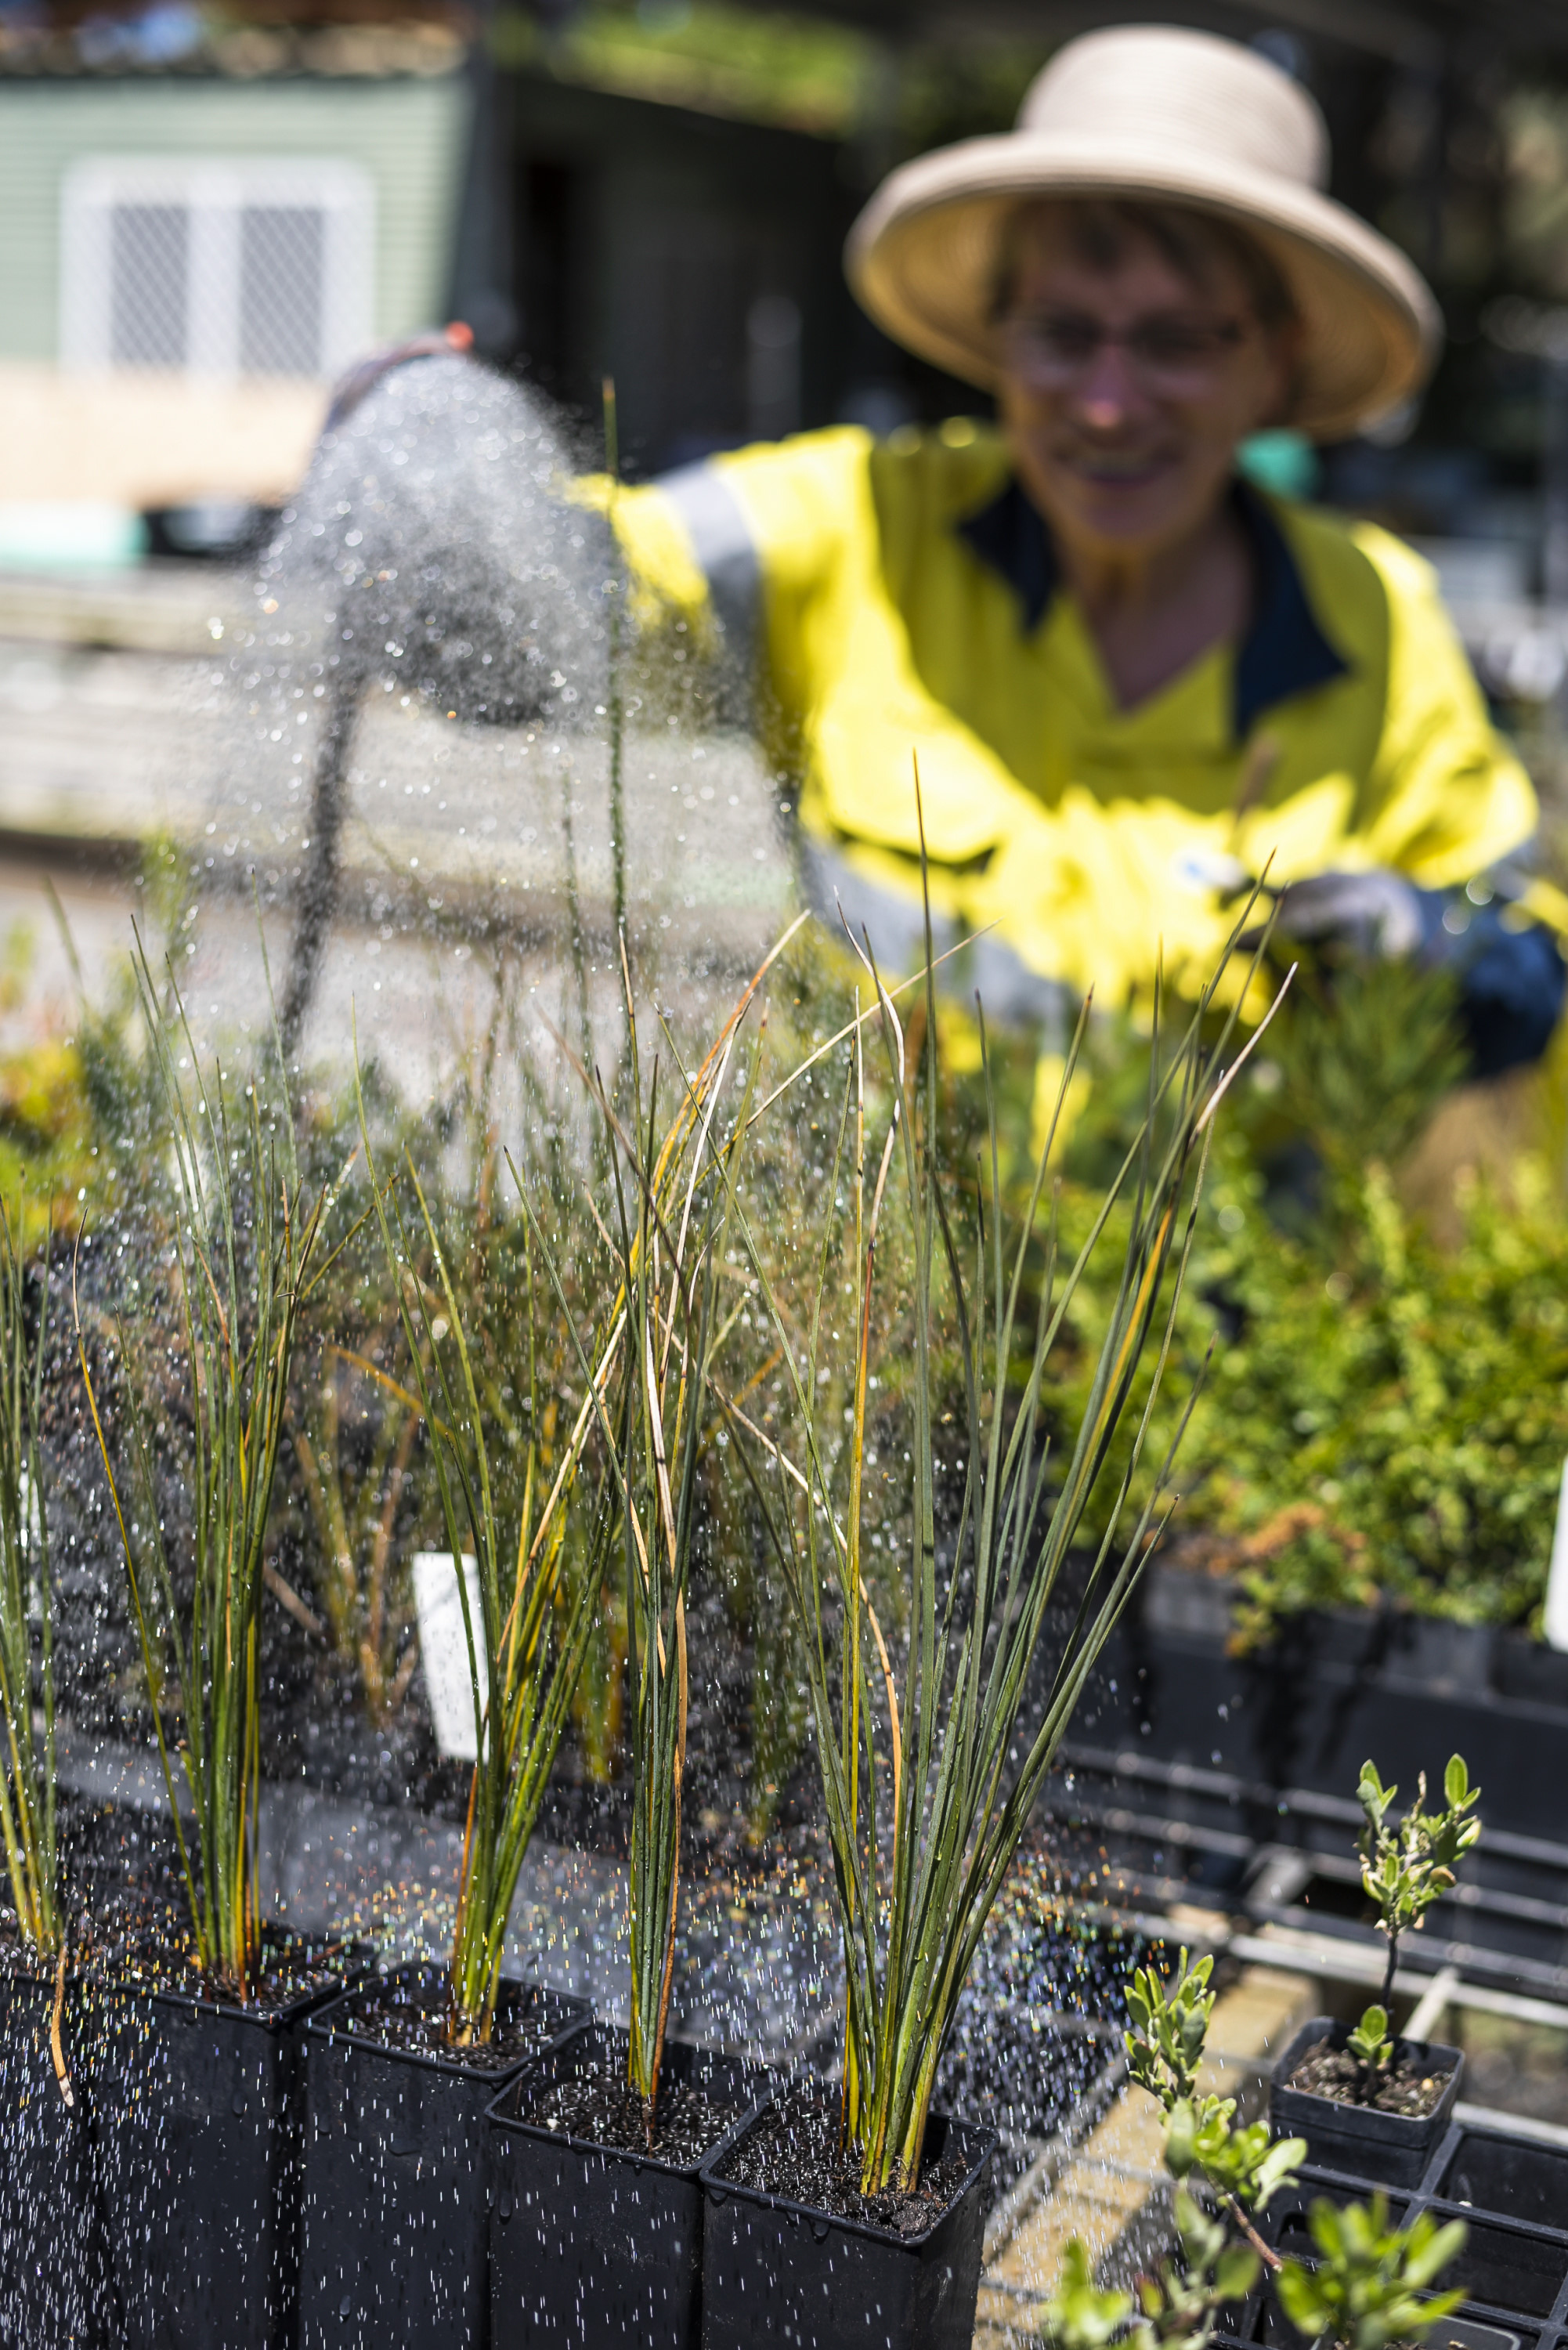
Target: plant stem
(612, 698)
(1387, 1995)
(1265, 2252)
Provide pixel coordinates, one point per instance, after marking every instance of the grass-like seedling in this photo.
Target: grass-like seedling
(947, 1751)
(26, 1601)
(674, 1196)
(244, 1240)
(1406, 1866)
(538, 1595)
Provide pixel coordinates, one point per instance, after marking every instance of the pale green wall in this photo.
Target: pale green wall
(409, 135)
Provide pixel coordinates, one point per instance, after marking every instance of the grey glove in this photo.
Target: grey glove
(1376, 914)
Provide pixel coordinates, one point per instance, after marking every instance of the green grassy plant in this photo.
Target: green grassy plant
(674, 1196)
(942, 1751)
(353, 1509)
(539, 1594)
(243, 1237)
(28, 1819)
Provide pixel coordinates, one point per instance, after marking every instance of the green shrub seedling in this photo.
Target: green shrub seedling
(1404, 1869)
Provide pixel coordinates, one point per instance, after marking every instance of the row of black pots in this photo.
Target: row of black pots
(232, 2178)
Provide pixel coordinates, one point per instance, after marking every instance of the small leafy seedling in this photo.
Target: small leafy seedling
(1368, 2286)
(1165, 2056)
(1404, 1869)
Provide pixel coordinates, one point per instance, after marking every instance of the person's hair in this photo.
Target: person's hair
(1102, 230)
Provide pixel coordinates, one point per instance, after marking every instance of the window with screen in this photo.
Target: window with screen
(220, 269)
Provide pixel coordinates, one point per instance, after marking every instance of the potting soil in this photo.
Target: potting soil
(413, 2017)
(1329, 2072)
(794, 2151)
(291, 1966)
(607, 2111)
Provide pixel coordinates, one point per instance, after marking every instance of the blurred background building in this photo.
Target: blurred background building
(206, 211)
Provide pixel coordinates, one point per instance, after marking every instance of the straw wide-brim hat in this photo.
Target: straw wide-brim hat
(1157, 113)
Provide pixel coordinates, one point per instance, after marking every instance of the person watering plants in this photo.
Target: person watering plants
(1132, 681)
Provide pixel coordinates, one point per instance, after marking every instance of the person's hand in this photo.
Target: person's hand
(1377, 914)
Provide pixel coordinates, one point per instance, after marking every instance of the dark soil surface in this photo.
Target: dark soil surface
(1329, 2072)
(292, 1967)
(605, 2110)
(794, 2150)
(409, 2011)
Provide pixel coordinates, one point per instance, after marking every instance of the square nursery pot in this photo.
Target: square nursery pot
(1390, 2149)
(774, 2269)
(397, 2162)
(198, 2137)
(53, 2287)
(1515, 2177)
(591, 2244)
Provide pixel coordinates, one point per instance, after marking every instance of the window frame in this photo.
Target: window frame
(214, 192)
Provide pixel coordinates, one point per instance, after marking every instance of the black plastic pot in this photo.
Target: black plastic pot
(397, 2168)
(198, 2137)
(588, 2244)
(1507, 2271)
(1515, 2177)
(52, 2281)
(777, 2270)
(1391, 2149)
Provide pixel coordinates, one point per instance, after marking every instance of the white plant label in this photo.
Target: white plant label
(1557, 1577)
(443, 1648)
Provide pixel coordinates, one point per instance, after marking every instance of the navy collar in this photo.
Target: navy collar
(1283, 652)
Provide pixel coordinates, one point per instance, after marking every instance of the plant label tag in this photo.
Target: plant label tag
(443, 1648)
(1557, 1575)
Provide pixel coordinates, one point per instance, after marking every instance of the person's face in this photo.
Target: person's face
(1126, 390)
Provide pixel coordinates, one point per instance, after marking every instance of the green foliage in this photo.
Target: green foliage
(1370, 2284)
(1367, 1053)
(1176, 2307)
(244, 1236)
(672, 1246)
(1168, 2028)
(1406, 1868)
(1372, 2046)
(912, 1908)
(26, 1597)
(1385, 1420)
(538, 1594)
(1244, 2167)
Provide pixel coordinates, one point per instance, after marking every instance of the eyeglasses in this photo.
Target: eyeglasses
(1167, 355)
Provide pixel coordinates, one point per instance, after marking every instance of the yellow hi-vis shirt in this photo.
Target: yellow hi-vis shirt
(899, 599)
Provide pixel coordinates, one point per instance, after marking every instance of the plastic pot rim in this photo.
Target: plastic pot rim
(977, 2134)
(514, 2124)
(322, 2025)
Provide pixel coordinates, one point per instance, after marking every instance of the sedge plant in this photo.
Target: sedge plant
(674, 1196)
(245, 1242)
(539, 1588)
(945, 1750)
(28, 1818)
(1407, 1865)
